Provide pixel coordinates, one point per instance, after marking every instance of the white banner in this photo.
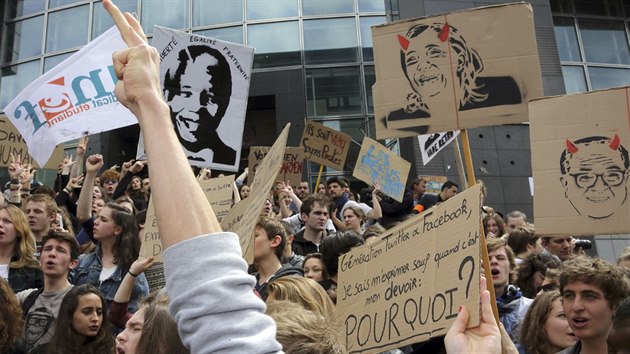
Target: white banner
(75, 97)
(431, 144)
(206, 84)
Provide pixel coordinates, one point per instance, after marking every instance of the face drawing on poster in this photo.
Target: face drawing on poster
(425, 52)
(198, 93)
(595, 173)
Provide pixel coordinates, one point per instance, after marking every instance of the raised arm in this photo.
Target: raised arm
(376, 212)
(84, 204)
(77, 168)
(118, 313)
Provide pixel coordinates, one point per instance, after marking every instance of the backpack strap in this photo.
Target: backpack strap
(30, 300)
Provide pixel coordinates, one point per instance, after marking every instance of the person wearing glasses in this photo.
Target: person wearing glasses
(595, 175)
(109, 181)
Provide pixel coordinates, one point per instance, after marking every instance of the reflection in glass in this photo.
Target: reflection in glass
(277, 44)
(598, 7)
(101, 21)
(566, 39)
(330, 41)
(371, 6)
(574, 80)
(603, 78)
(67, 29)
(604, 41)
(356, 128)
(51, 62)
(19, 8)
(333, 91)
(370, 80)
(57, 3)
(216, 12)
(264, 9)
(228, 34)
(366, 35)
(23, 39)
(15, 78)
(326, 7)
(166, 13)
(561, 6)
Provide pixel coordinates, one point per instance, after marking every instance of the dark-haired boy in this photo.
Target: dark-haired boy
(449, 189)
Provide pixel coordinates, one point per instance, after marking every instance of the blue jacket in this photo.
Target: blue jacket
(89, 269)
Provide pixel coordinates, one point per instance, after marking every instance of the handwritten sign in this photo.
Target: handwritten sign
(243, 217)
(12, 142)
(408, 287)
(324, 145)
(219, 193)
(151, 245)
(292, 166)
(376, 163)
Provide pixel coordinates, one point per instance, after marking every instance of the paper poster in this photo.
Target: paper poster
(453, 71)
(431, 144)
(292, 166)
(580, 163)
(206, 85)
(12, 142)
(219, 193)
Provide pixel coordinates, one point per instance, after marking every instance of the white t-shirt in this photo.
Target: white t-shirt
(106, 273)
(4, 271)
(296, 223)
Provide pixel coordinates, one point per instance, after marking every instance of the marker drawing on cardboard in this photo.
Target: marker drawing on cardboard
(206, 83)
(455, 71)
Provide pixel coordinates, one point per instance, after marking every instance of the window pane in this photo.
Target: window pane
(229, 34)
(333, 91)
(574, 80)
(325, 7)
(330, 41)
(273, 52)
(603, 78)
(370, 80)
(264, 9)
(353, 127)
(598, 7)
(15, 78)
(371, 6)
(18, 8)
(24, 39)
(561, 6)
(57, 3)
(166, 13)
(604, 41)
(217, 11)
(102, 21)
(566, 39)
(366, 35)
(64, 33)
(51, 62)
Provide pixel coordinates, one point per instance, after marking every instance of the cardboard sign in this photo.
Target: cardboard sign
(453, 71)
(292, 166)
(219, 193)
(74, 97)
(324, 145)
(434, 184)
(12, 142)
(408, 287)
(431, 144)
(580, 163)
(151, 243)
(243, 217)
(376, 163)
(206, 84)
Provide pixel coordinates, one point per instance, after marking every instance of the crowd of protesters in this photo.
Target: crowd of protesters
(73, 281)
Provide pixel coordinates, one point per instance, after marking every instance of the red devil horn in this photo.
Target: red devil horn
(614, 144)
(443, 36)
(571, 147)
(404, 42)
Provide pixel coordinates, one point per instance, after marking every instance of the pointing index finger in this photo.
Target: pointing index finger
(129, 32)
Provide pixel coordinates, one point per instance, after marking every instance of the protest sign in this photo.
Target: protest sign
(206, 85)
(431, 144)
(219, 193)
(408, 287)
(324, 145)
(376, 163)
(434, 184)
(580, 163)
(12, 142)
(292, 165)
(243, 217)
(464, 69)
(151, 243)
(75, 97)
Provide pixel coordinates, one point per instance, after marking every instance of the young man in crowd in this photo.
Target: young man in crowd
(560, 245)
(302, 190)
(336, 191)
(514, 219)
(269, 242)
(512, 304)
(40, 307)
(41, 212)
(314, 214)
(592, 290)
(524, 241)
(449, 189)
(288, 256)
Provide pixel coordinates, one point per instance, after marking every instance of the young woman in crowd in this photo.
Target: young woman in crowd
(80, 327)
(354, 219)
(17, 251)
(244, 191)
(545, 328)
(11, 320)
(314, 267)
(493, 225)
(531, 273)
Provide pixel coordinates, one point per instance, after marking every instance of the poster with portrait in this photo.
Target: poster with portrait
(206, 85)
(580, 163)
(459, 70)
